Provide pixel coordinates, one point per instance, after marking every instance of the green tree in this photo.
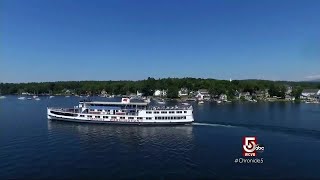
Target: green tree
(296, 92)
(230, 94)
(172, 92)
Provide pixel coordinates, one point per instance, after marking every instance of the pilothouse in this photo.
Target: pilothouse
(124, 112)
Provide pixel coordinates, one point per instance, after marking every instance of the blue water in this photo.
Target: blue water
(31, 147)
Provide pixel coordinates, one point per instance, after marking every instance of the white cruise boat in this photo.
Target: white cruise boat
(124, 112)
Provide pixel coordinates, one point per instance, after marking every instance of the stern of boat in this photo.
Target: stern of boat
(48, 113)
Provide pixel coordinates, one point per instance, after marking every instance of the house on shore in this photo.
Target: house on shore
(310, 94)
(289, 98)
(245, 95)
(289, 90)
(261, 95)
(103, 93)
(139, 94)
(203, 94)
(223, 97)
(183, 92)
(160, 93)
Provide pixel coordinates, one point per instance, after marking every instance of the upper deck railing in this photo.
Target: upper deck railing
(69, 110)
(169, 108)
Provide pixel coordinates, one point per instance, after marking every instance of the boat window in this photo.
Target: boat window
(171, 112)
(106, 117)
(166, 118)
(185, 111)
(163, 112)
(139, 117)
(171, 117)
(89, 116)
(122, 118)
(81, 115)
(149, 118)
(130, 117)
(97, 116)
(99, 110)
(184, 117)
(148, 112)
(114, 117)
(175, 117)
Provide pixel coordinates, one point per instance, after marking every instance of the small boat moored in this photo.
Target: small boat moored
(2, 97)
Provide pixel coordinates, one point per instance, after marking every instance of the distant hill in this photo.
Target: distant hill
(313, 81)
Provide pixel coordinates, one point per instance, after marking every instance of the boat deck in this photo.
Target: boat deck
(184, 107)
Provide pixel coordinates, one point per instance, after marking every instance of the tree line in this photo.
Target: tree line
(148, 86)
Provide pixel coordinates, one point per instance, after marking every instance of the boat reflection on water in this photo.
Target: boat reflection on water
(127, 134)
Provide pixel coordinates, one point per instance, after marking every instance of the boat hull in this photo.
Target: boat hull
(53, 118)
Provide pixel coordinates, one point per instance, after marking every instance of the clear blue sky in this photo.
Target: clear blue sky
(53, 40)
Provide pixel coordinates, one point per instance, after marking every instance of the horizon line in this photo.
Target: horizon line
(57, 81)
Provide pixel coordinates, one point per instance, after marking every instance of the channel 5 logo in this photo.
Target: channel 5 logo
(251, 147)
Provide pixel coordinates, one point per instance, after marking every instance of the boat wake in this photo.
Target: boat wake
(285, 130)
(212, 125)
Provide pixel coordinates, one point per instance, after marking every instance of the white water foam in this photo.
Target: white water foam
(212, 125)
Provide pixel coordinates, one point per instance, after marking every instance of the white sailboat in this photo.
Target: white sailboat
(21, 98)
(21, 95)
(34, 95)
(50, 93)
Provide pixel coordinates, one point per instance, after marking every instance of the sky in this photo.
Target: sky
(62, 40)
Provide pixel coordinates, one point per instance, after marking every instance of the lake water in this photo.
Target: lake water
(33, 147)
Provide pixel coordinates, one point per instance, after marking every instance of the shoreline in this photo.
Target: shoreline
(179, 99)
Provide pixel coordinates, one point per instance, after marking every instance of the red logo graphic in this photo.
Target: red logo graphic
(249, 146)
